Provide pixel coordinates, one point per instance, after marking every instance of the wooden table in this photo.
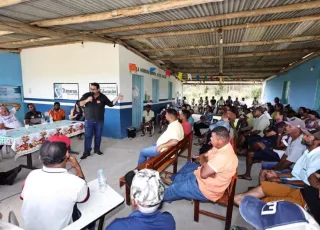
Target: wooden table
(97, 207)
(7, 226)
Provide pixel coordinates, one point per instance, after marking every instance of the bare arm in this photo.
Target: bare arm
(2, 126)
(314, 181)
(283, 163)
(206, 171)
(84, 102)
(169, 144)
(299, 183)
(14, 105)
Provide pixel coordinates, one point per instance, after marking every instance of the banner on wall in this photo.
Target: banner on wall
(10, 94)
(109, 89)
(66, 91)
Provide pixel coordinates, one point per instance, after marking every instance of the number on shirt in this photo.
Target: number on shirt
(269, 208)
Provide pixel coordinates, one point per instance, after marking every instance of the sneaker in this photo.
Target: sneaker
(84, 156)
(98, 152)
(166, 180)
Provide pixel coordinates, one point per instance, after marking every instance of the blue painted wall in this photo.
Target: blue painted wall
(303, 85)
(11, 74)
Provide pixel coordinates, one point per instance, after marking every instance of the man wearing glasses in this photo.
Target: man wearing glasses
(94, 103)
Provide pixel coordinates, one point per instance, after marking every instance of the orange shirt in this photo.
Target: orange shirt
(224, 162)
(57, 115)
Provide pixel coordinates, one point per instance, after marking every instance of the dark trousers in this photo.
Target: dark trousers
(76, 214)
(93, 128)
(5, 175)
(198, 126)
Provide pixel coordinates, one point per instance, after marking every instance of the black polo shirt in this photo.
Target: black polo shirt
(34, 117)
(94, 111)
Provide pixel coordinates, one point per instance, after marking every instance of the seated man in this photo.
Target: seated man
(308, 163)
(33, 117)
(205, 121)
(277, 215)
(146, 193)
(162, 121)
(49, 194)
(184, 117)
(263, 149)
(169, 138)
(260, 123)
(210, 179)
(147, 120)
(8, 119)
(57, 113)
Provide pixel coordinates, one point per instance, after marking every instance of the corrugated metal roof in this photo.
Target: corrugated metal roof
(36, 10)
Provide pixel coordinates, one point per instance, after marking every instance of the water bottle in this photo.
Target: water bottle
(102, 181)
(43, 121)
(50, 119)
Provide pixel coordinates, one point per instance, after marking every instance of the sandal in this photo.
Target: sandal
(143, 135)
(243, 177)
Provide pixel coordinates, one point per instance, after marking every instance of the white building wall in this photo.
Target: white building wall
(74, 63)
(127, 57)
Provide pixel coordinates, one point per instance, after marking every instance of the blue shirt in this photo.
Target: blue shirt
(191, 121)
(307, 164)
(209, 117)
(142, 221)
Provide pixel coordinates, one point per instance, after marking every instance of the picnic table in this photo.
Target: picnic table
(26, 140)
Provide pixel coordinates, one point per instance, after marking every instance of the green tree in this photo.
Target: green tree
(256, 92)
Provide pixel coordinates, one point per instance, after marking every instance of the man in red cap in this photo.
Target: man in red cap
(49, 194)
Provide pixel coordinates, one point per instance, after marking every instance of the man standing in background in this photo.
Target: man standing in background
(94, 103)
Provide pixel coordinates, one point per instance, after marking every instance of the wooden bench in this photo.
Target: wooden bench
(226, 200)
(163, 160)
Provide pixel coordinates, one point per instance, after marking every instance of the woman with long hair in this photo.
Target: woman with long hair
(77, 114)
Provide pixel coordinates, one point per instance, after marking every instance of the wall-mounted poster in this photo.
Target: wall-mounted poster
(109, 89)
(66, 91)
(10, 94)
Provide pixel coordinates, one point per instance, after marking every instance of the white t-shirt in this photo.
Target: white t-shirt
(261, 123)
(173, 132)
(11, 120)
(148, 116)
(221, 102)
(49, 195)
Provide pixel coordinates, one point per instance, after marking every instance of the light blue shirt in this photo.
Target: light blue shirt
(191, 121)
(307, 164)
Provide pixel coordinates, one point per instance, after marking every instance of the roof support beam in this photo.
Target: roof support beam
(4, 3)
(10, 50)
(241, 55)
(249, 13)
(220, 47)
(237, 68)
(251, 43)
(2, 33)
(122, 13)
(224, 28)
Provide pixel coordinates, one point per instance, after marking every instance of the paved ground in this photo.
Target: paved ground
(119, 157)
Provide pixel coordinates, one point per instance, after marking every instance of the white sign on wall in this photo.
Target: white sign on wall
(66, 91)
(109, 89)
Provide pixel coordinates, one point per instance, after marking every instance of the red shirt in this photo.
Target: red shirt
(186, 127)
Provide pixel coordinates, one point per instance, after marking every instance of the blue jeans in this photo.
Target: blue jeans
(93, 128)
(185, 185)
(146, 153)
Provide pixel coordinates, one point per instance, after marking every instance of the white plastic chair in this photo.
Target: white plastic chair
(12, 219)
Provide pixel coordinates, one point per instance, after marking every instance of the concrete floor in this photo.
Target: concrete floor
(119, 157)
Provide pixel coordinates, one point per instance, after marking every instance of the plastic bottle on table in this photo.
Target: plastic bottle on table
(102, 181)
(50, 119)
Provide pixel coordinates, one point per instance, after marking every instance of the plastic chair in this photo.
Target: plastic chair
(12, 219)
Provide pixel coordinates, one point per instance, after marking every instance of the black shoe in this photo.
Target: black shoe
(84, 156)
(98, 152)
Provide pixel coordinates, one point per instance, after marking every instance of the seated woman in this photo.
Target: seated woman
(77, 114)
(204, 122)
(313, 121)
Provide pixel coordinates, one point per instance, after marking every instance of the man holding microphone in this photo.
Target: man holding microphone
(94, 103)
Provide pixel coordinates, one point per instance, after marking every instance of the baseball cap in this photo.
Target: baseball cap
(54, 150)
(298, 123)
(147, 188)
(276, 215)
(220, 123)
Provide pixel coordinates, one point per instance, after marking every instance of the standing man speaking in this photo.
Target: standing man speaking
(94, 103)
